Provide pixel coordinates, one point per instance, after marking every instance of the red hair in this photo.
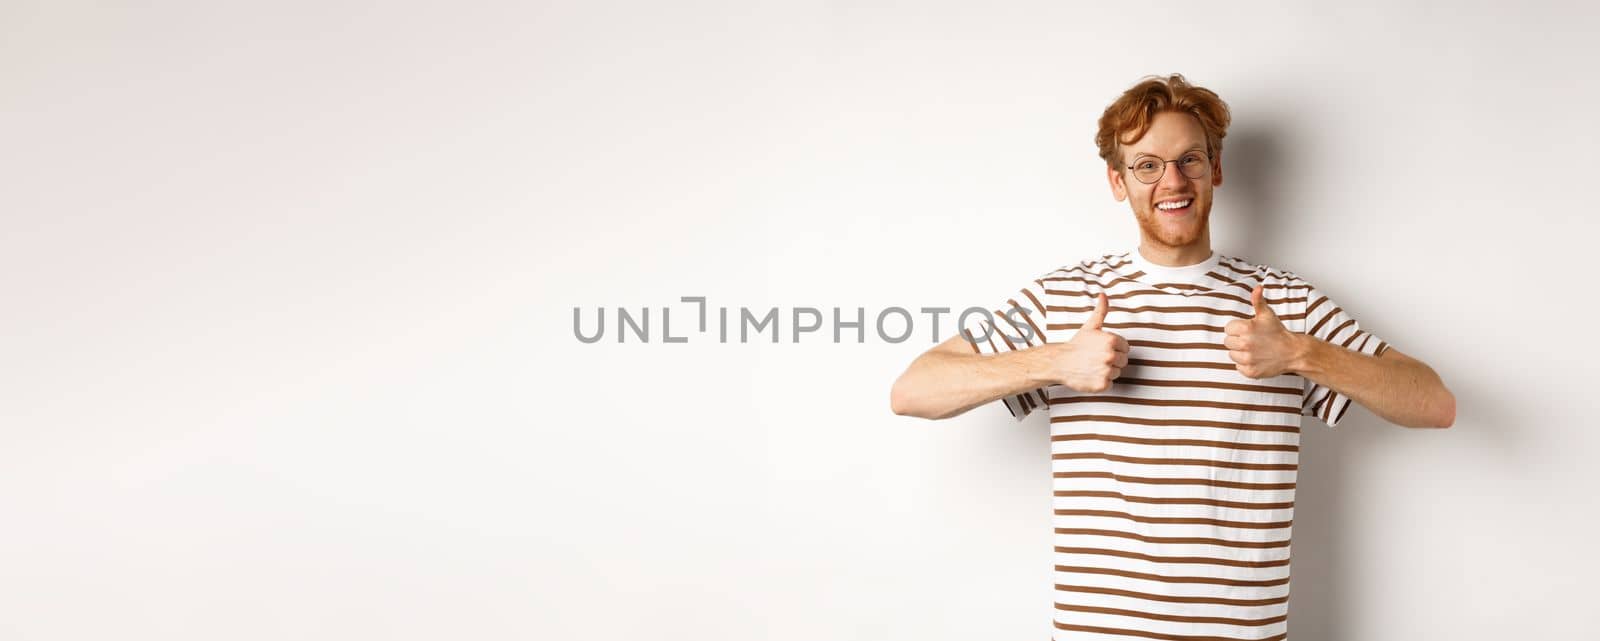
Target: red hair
(1127, 119)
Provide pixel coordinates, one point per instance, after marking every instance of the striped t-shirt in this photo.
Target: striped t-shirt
(1173, 489)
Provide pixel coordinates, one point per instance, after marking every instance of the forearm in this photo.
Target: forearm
(1397, 388)
(942, 384)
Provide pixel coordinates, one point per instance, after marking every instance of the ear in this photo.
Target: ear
(1216, 170)
(1118, 189)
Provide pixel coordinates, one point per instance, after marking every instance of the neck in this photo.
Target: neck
(1179, 256)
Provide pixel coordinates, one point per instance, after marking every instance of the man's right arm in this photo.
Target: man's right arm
(952, 378)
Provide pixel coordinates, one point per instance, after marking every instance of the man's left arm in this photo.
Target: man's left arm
(1396, 387)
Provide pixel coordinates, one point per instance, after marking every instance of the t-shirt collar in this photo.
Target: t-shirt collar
(1187, 274)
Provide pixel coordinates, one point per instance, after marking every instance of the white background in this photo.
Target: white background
(286, 344)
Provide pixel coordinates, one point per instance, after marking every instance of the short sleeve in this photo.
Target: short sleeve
(1017, 323)
(1327, 321)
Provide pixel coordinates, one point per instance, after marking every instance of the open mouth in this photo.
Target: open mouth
(1175, 207)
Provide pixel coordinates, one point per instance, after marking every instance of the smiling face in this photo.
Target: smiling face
(1182, 231)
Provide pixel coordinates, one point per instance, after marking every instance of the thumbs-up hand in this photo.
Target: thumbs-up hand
(1093, 357)
(1261, 347)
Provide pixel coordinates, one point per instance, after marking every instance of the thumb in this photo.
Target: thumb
(1098, 316)
(1258, 301)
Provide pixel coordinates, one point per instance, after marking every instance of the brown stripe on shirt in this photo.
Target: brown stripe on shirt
(1153, 558)
(1152, 480)
(1175, 500)
(1177, 442)
(1174, 540)
(1137, 460)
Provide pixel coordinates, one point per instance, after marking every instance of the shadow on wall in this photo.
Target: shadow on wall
(1254, 161)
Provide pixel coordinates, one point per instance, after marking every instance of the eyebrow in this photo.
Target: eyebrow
(1146, 153)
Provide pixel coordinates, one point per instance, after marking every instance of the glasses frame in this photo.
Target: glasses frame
(1163, 174)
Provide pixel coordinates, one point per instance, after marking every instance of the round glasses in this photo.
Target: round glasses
(1149, 169)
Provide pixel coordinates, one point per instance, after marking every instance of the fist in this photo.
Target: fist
(1260, 347)
(1093, 357)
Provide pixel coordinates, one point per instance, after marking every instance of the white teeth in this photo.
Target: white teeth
(1173, 205)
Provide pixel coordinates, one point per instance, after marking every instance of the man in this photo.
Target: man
(1175, 379)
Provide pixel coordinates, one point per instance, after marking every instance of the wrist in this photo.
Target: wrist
(1043, 364)
(1307, 350)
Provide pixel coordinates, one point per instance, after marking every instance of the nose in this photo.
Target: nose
(1173, 178)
